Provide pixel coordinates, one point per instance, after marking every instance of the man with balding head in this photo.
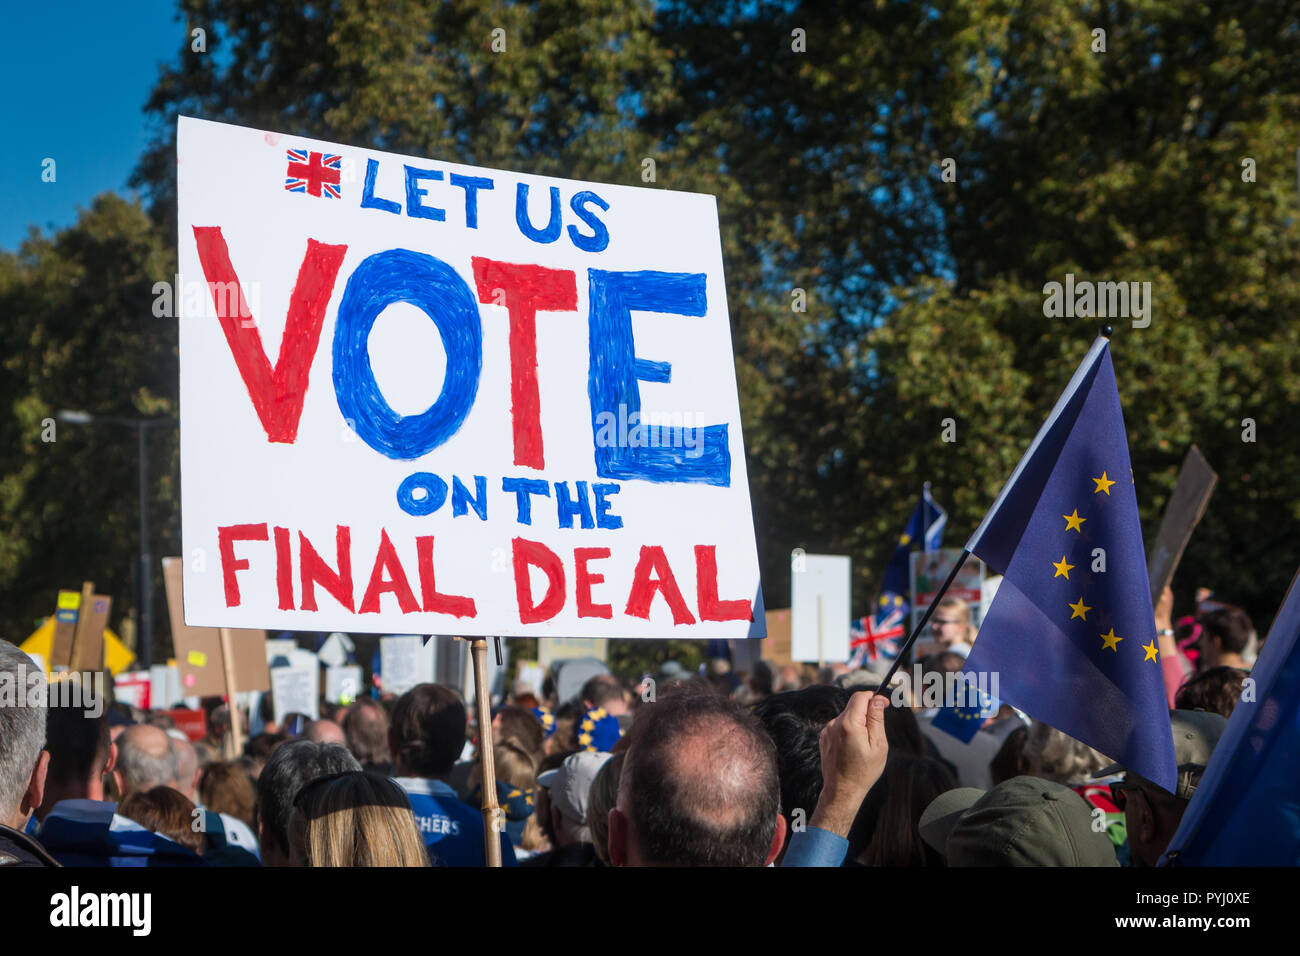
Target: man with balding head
(146, 758)
(699, 787)
(325, 732)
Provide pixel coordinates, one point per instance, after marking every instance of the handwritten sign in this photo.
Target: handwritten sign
(424, 397)
(1196, 481)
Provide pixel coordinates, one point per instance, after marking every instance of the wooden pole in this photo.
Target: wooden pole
(821, 654)
(493, 824)
(79, 636)
(228, 666)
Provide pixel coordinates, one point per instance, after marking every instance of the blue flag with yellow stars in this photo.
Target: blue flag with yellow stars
(598, 730)
(964, 719)
(1071, 633)
(924, 527)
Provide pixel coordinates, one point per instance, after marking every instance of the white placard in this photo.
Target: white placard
(819, 608)
(453, 400)
(296, 689)
(343, 684)
(402, 662)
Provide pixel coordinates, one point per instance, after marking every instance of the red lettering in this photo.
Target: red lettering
(226, 538)
(524, 290)
(283, 569)
(433, 601)
(584, 579)
(386, 560)
(644, 587)
(315, 571)
(277, 394)
(532, 553)
(706, 590)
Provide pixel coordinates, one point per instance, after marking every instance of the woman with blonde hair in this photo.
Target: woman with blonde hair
(516, 771)
(354, 818)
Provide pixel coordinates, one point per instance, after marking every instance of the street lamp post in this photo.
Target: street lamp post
(145, 589)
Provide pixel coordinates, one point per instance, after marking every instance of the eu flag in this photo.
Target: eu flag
(1246, 809)
(1071, 633)
(926, 525)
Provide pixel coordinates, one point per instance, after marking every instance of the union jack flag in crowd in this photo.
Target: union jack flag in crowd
(874, 638)
(317, 174)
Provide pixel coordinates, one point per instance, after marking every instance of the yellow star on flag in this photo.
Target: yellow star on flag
(1073, 522)
(904, 538)
(584, 739)
(1151, 651)
(1110, 641)
(1080, 610)
(1103, 484)
(1062, 569)
(588, 724)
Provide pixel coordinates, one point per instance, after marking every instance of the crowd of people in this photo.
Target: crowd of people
(789, 766)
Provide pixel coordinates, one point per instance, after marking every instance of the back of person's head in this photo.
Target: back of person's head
(365, 727)
(146, 758)
(516, 771)
(795, 719)
(1053, 755)
(226, 787)
(604, 796)
(22, 734)
(1010, 761)
(601, 689)
(354, 819)
(428, 730)
(521, 725)
(167, 811)
(261, 746)
(905, 790)
(699, 785)
(325, 731)
(187, 763)
(1228, 627)
(288, 769)
(79, 744)
(1216, 690)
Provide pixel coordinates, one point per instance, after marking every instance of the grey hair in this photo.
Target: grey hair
(22, 724)
(142, 770)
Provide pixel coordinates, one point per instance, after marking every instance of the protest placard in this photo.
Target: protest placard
(133, 688)
(401, 662)
(1196, 481)
(80, 618)
(776, 646)
(198, 649)
(928, 570)
(819, 607)
(343, 683)
(295, 687)
(422, 396)
(570, 648)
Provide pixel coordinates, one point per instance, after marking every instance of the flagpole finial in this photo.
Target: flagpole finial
(1106, 332)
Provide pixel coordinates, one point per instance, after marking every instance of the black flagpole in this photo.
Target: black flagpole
(925, 619)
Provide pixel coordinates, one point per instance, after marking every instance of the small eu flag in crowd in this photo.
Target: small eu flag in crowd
(1071, 633)
(926, 526)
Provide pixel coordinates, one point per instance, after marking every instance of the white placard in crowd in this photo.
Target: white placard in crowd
(819, 607)
(422, 396)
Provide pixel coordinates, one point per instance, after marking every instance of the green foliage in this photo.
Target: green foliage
(924, 297)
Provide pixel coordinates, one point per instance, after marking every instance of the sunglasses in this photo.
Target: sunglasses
(1119, 792)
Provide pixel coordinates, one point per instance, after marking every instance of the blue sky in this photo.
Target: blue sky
(75, 77)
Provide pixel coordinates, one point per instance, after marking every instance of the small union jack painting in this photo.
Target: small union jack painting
(316, 174)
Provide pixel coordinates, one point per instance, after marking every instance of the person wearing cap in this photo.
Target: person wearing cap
(569, 790)
(1151, 813)
(1024, 821)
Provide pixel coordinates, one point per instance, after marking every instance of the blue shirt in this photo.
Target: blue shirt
(815, 847)
(92, 833)
(452, 830)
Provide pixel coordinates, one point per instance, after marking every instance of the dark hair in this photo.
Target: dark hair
(290, 766)
(167, 811)
(1009, 761)
(365, 728)
(1216, 690)
(794, 719)
(429, 729)
(685, 812)
(78, 743)
(519, 724)
(906, 788)
(1230, 625)
(263, 745)
(601, 689)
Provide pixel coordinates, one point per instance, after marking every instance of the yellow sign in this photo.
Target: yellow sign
(117, 657)
(69, 600)
(197, 659)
